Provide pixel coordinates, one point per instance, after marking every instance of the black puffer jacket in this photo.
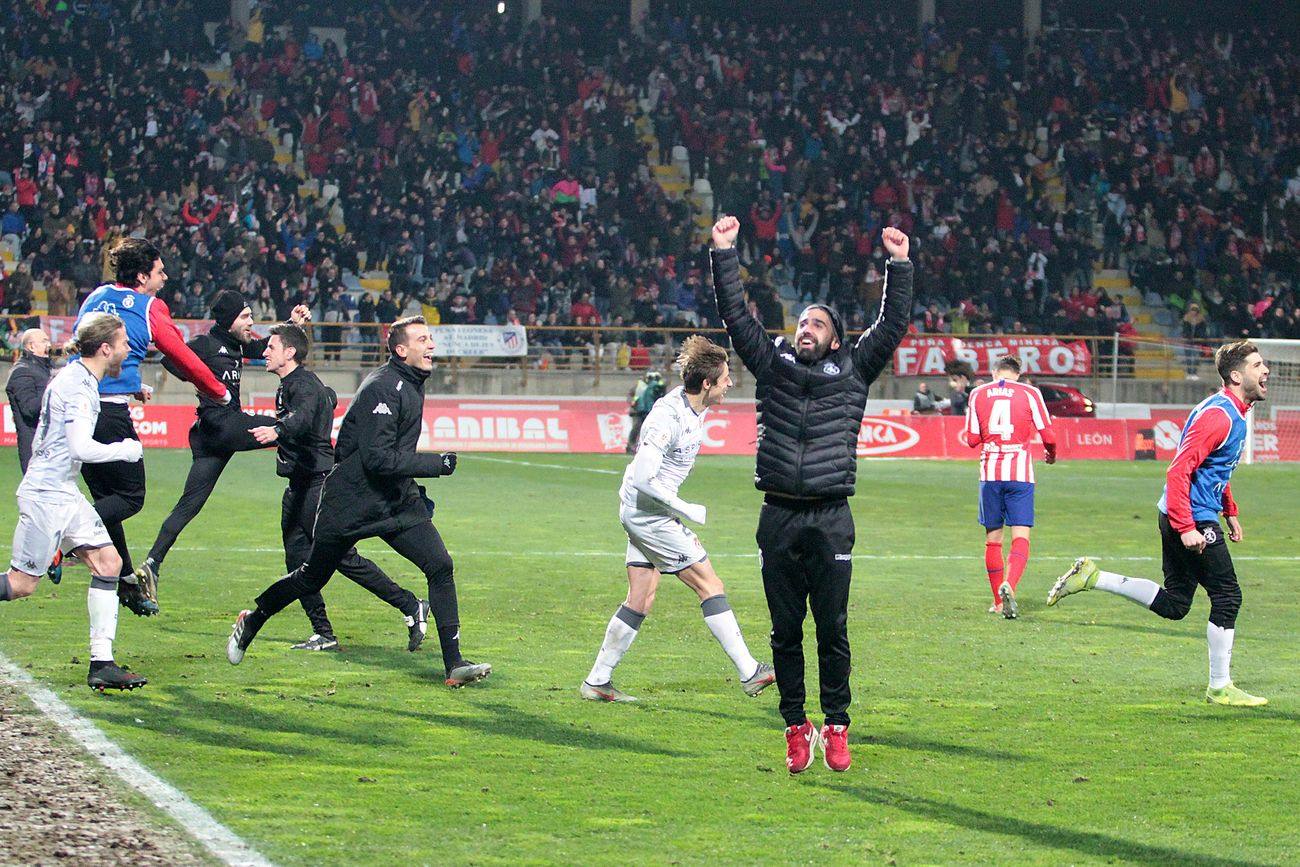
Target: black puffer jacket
(809, 415)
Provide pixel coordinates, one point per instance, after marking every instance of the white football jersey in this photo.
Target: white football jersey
(677, 430)
(73, 394)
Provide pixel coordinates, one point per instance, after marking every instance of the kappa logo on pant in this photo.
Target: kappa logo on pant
(843, 556)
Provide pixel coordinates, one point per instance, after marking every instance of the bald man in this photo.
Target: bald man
(26, 387)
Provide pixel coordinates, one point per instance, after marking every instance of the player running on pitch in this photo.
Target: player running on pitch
(1197, 489)
(53, 515)
(1003, 417)
(658, 542)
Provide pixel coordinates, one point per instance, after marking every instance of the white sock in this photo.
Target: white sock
(619, 635)
(1220, 641)
(721, 621)
(102, 606)
(1140, 590)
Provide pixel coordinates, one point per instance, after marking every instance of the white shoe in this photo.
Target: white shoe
(234, 650)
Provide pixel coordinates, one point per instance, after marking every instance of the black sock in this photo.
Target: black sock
(4, 587)
(97, 664)
(446, 615)
(253, 624)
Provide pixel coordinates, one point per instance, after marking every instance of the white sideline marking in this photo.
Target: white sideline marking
(216, 837)
(746, 555)
(547, 466)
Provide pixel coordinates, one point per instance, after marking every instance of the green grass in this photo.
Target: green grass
(1077, 734)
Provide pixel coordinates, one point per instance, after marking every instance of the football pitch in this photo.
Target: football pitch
(1077, 734)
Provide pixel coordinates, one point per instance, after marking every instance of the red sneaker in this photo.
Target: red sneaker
(800, 746)
(835, 747)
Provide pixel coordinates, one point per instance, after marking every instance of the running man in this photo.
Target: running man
(658, 542)
(53, 515)
(1197, 489)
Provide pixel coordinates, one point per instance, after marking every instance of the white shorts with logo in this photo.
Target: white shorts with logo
(661, 542)
(46, 527)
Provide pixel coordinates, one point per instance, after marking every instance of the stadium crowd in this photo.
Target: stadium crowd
(502, 176)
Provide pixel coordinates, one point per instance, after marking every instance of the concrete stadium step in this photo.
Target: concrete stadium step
(1112, 282)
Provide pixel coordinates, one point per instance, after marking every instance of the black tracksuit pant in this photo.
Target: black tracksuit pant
(297, 521)
(117, 487)
(214, 439)
(806, 548)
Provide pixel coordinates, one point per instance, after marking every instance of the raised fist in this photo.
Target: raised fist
(725, 231)
(895, 241)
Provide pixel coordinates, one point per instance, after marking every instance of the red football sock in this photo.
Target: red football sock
(993, 564)
(1017, 561)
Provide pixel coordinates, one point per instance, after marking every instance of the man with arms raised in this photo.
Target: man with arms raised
(657, 540)
(811, 398)
(220, 430)
(53, 515)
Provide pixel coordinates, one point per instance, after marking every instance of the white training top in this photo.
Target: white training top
(670, 440)
(65, 437)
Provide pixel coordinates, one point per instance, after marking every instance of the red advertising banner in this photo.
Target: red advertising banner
(926, 355)
(539, 425)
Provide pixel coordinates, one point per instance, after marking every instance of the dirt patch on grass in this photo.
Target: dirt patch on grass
(59, 806)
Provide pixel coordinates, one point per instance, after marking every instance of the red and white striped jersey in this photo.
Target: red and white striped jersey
(1005, 417)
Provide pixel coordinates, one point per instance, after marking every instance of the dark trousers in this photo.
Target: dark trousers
(420, 544)
(213, 442)
(297, 522)
(1185, 570)
(117, 487)
(634, 435)
(806, 550)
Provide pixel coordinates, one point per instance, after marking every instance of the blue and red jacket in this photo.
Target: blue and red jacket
(1198, 481)
(147, 321)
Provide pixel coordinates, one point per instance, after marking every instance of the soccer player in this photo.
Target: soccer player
(1003, 417)
(304, 419)
(811, 397)
(658, 542)
(118, 487)
(1197, 489)
(53, 515)
(220, 430)
(372, 492)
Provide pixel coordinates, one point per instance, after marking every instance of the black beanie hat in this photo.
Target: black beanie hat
(227, 306)
(836, 321)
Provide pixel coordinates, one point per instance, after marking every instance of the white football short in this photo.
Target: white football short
(46, 527)
(661, 542)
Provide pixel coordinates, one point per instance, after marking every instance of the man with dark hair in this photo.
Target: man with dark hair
(658, 542)
(118, 487)
(220, 430)
(304, 419)
(1003, 418)
(371, 492)
(27, 380)
(811, 398)
(1197, 489)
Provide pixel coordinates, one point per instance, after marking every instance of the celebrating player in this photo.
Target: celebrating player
(118, 487)
(658, 542)
(53, 515)
(1003, 417)
(811, 397)
(372, 492)
(220, 430)
(1197, 489)
(304, 419)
